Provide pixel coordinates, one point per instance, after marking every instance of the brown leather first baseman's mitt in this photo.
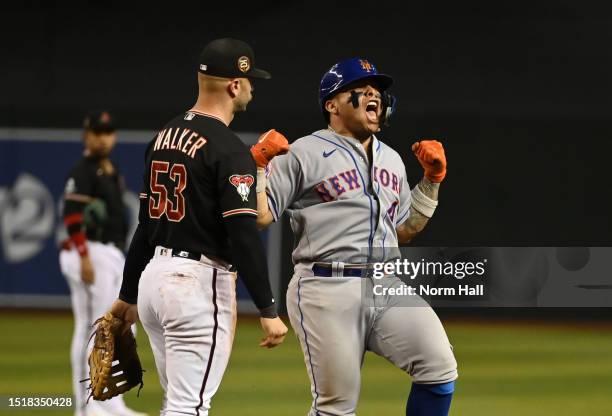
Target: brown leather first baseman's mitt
(114, 366)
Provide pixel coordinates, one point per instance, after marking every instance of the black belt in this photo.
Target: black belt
(327, 271)
(185, 254)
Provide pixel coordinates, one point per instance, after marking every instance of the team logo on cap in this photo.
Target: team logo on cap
(243, 185)
(244, 64)
(366, 65)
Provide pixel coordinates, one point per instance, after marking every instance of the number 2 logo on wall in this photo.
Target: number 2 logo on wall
(243, 185)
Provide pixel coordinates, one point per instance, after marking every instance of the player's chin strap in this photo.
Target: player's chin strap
(389, 103)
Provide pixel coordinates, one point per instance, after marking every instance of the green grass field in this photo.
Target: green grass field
(516, 369)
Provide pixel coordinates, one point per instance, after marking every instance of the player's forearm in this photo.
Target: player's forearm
(250, 260)
(417, 220)
(139, 254)
(264, 215)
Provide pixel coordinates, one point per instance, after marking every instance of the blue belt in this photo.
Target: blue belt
(326, 271)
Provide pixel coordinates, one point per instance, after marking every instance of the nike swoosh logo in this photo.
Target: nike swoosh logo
(328, 154)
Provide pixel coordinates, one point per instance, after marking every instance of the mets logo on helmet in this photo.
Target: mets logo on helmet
(365, 65)
(243, 185)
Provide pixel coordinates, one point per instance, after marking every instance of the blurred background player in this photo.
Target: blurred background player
(92, 259)
(197, 226)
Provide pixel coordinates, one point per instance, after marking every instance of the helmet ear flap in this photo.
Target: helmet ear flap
(389, 103)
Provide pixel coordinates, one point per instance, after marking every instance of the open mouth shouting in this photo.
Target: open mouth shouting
(372, 111)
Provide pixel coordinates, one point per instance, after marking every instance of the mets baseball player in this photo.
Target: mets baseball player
(350, 204)
(197, 225)
(92, 258)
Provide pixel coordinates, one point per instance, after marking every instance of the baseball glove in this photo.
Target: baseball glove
(114, 366)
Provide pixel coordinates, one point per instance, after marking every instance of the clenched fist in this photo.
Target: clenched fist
(270, 144)
(430, 155)
(275, 331)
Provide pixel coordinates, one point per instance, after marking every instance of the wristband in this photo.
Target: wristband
(269, 312)
(261, 180)
(79, 241)
(128, 299)
(422, 203)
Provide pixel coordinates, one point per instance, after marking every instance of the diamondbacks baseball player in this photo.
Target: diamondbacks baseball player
(197, 224)
(350, 204)
(92, 258)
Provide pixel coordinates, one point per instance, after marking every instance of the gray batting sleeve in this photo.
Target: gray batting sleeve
(284, 183)
(403, 211)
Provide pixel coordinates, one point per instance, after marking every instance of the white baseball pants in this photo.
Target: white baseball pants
(188, 309)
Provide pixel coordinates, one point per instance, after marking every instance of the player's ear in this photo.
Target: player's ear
(331, 106)
(234, 87)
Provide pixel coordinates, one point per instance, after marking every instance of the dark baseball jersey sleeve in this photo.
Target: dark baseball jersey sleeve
(77, 193)
(140, 250)
(80, 182)
(236, 177)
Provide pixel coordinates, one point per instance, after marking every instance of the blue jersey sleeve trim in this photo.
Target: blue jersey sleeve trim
(272, 204)
(403, 218)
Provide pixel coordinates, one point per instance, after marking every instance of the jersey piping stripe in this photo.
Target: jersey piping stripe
(402, 219)
(274, 208)
(384, 237)
(214, 341)
(206, 115)
(240, 211)
(365, 192)
(383, 221)
(378, 142)
(314, 380)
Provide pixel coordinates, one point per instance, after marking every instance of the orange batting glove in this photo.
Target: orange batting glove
(270, 144)
(430, 154)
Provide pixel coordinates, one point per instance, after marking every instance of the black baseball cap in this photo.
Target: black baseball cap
(99, 121)
(230, 58)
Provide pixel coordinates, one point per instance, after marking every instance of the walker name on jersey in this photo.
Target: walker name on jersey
(181, 139)
(333, 187)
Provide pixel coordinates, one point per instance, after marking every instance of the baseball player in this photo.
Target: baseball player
(92, 259)
(197, 224)
(349, 203)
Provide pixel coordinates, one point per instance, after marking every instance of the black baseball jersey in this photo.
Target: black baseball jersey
(87, 183)
(197, 173)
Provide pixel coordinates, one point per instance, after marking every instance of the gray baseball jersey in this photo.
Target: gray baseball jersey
(343, 210)
(340, 208)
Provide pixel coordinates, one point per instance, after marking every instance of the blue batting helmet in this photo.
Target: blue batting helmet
(346, 72)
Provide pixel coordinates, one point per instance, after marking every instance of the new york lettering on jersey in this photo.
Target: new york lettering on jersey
(326, 179)
(197, 168)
